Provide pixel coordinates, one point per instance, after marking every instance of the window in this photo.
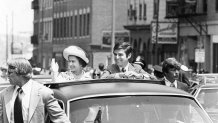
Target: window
(216, 5)
(71, 35)
(55, 28)
(155, 9)
(130, 12)
(171, 9)
(59, 27)
(144, 14)
(80, 24)
(67, 26)
(88, 23)
(205, 6)
(140, 11)
(75, 24)
(64, 27)
(70, 26)
(84, 24)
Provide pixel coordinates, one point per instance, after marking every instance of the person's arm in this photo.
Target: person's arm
(106, 74)
(54, 70)
(56, 114)
(142, 74)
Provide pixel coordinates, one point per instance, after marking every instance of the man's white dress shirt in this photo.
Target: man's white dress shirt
(25, 101)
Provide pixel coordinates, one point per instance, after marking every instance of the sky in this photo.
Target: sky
(22, 15)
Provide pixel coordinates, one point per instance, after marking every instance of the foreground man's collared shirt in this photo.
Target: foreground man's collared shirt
(25, 101)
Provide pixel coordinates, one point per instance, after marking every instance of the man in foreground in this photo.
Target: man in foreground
(27, 101)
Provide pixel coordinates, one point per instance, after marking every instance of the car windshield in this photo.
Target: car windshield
(137, 109)
(209, 100)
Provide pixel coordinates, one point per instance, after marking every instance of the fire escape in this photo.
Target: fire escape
(192, 12)
(188, 11)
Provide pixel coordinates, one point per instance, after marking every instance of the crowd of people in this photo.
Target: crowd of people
(19, 73)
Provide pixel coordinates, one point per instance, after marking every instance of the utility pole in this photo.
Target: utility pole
(12, 33)
(41, 31)
(6, 38)
(157, 28)
(113, 31)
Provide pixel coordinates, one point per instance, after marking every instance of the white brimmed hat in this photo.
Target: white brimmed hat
(75, 51)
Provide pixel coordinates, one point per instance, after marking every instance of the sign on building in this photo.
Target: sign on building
(120, 36)
(199, 55)
(167, 32)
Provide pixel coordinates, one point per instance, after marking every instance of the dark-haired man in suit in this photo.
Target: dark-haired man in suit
(27, 101)
(170, 70)
(123, 68)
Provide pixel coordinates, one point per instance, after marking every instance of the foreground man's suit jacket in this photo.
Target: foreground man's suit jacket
(42, 102)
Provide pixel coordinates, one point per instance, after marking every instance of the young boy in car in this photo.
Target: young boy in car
(123, 68)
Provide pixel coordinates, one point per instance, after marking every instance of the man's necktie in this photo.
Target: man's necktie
(123, 70)
(172, 85)
(18, 117)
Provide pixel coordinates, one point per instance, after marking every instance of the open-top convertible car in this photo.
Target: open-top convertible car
(127, 101)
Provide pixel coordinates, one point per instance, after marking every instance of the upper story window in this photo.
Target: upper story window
(216, 5)
(145, 11)
(205, 6)
(130, 12)
(140, 11)
(155, 9)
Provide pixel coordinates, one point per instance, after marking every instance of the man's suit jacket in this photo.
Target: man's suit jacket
(114, 68)
(42, 102)
(180, 85)
(183, 86)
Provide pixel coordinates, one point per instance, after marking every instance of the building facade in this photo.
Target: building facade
(198, 35)
(142, 21)
(85, 23)
(194, 24)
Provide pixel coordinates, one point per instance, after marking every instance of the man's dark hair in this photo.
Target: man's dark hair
(123, 45)
(170, 63)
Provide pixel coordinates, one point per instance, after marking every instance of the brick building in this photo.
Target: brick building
(85, 23)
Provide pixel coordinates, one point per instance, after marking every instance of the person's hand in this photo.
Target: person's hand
(133, 75)
(54, 66)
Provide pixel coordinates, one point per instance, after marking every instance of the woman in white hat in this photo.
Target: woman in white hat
(77, 61)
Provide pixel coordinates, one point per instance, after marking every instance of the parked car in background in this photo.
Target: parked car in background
(127, 101)
(209, 78)
(207, 95)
